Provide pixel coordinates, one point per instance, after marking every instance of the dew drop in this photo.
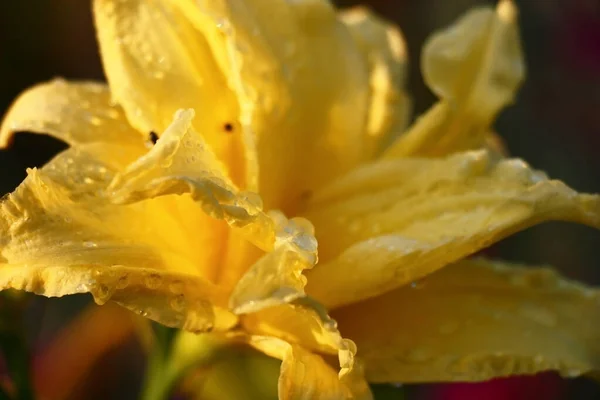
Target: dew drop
(123, 281)
(417, 284)
(142, 312)
(89, 244)
(95, 121)
(153, 281)
(178, 303)
(101, 294)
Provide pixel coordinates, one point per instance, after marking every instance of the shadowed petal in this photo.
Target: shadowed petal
(476, 320)
(393, 222)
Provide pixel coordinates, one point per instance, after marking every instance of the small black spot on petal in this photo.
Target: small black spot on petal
(153, 137)
(228, 127)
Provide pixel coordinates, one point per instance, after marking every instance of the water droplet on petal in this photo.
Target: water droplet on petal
(123, 281)
(95, 121)
(153, 281)
(102, 293)
(178, 303)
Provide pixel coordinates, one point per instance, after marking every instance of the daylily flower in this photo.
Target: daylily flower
(275, 123)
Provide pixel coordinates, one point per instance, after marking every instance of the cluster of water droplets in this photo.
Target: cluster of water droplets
(156, 295)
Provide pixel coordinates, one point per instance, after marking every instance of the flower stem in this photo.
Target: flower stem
(158, 384)
(173, 355)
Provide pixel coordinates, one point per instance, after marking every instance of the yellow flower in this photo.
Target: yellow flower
(275, 108)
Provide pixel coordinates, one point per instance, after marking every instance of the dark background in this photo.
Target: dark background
(554, 125)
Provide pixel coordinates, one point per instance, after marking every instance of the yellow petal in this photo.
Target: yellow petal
(305, 322)
(475, 67)
(277, 278)
(393, 222)
(476, 320)
(156, 63)
(305, 375)
(182, 163)
(78, 113)
(385, 51)
(302, 83)
(57, 241)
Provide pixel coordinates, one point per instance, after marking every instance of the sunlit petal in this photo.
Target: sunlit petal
(156, 63)
(393, 222)
(385, 51)
(182, 163)
(303, 322)
(78, 113)
(302, 83)
(477, 320)
(475, 67)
